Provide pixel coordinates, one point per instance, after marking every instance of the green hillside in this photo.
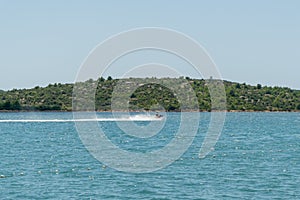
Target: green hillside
(240, 97)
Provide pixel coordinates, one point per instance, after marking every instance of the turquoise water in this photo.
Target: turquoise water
(256, 157)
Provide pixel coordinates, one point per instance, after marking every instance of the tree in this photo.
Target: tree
(258, 86)
(16, 106)
(232, 93)
(101, 79)
(7, 105)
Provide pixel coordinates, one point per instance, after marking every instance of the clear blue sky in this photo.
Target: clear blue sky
(43, 42)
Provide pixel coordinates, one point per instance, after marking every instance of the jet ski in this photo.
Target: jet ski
(158, 115)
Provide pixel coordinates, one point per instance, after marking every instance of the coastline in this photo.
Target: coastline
(135, 111)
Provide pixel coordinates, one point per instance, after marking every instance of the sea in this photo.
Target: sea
(43, 156)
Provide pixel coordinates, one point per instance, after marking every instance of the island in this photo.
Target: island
(239, 97)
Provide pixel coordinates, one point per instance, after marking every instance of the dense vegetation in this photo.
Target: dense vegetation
(152, 96)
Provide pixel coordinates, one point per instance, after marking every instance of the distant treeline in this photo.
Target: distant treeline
(239, 97)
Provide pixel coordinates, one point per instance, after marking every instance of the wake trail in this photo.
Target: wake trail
(128, 119)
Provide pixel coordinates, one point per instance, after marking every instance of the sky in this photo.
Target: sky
(44, 42)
